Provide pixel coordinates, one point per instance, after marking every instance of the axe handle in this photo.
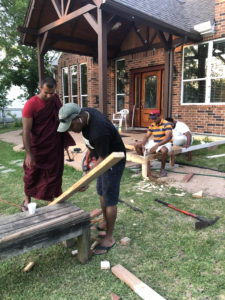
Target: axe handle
(175, 208)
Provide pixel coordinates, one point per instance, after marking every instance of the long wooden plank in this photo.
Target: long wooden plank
(106, 164)
(201, 146)
(139, 287)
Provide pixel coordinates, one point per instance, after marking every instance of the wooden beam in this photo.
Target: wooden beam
(67, 18)
(138, 286)
(62, 7)
(57, 7)
(201, 146)
(97, 2)
(106, 164)
(102, 61)
(67, 7)
(163, 39)
(43, 43)
(40, 61)
(91, 20)
(137, 31)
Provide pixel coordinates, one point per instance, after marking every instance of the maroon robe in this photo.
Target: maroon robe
(44, 180)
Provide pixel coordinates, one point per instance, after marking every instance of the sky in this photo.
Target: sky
(14, 92)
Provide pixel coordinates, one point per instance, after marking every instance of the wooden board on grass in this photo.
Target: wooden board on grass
(106, 164)
(139, 287)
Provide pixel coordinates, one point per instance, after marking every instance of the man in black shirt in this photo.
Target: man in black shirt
(101, 139)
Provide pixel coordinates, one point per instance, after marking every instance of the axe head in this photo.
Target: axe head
(205, 223)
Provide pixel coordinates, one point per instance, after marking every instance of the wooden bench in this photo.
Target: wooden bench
(49, 225)
(145, 160)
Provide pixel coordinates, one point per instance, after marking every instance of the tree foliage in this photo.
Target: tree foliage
(19, 65)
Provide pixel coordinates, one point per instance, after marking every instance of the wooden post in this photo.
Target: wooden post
(40, 60)
(83, 246)
(102, 61)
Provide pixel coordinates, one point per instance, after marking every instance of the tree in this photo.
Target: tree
(19, 65)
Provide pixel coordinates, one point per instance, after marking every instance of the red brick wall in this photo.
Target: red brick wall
(67, 60)
(204, 119)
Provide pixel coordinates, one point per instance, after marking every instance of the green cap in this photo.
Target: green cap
(67, 113)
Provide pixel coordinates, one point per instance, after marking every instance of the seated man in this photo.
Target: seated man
(181, 133)
(161, 130)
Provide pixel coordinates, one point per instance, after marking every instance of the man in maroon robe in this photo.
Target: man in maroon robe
(44, 161)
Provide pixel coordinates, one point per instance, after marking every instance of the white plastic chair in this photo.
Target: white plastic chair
(120, 116)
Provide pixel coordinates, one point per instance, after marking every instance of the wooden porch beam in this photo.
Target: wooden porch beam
(97, 2)
(163, 39)
(67, 7)
(102, 61)
(62, 7)
(40, 60)
(43, 43)
(91, 20)
(137, 31)
(67, 18)
(57, 7)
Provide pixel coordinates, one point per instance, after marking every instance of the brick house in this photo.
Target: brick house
(160, 54)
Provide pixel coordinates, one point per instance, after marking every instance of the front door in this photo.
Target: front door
(147, 95)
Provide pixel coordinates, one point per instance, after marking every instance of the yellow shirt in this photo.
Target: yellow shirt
(159, 130)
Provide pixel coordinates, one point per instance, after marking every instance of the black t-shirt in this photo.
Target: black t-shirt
(100, 135)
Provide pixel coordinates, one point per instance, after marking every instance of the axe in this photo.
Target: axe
(203, 222)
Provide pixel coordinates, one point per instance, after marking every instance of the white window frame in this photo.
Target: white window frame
(82, 95)
(65, 97)
(71, 90)
(117, 94)
(207, 78)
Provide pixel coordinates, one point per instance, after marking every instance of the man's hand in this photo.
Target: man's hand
(153, 149)
(83, 188)
(29, 161)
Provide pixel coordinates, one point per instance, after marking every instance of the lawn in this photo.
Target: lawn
(165, 251)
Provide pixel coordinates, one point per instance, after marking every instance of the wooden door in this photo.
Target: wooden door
(150, 95)
(147, 94)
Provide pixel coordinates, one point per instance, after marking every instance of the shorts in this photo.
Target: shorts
(151, 144)
(180, 140)
(108, 184)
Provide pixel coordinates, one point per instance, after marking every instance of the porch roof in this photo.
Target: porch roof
(177, 15)
(75, 35)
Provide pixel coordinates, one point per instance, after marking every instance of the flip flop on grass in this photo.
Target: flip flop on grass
(24, 208)
(99, 247)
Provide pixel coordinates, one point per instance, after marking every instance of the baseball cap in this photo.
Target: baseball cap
(67, 113)
(154, 114)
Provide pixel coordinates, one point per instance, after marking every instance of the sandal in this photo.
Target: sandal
(24, 208)
(105, 248)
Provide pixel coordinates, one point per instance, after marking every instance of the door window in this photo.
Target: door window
(150, 92)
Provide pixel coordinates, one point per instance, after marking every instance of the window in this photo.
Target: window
(83, 85)
(73, 83)
(120, 86)
(204, 73)
(65, 85)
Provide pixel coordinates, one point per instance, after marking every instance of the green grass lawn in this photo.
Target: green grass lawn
(199, 158)
(165, 251)
(10, 126)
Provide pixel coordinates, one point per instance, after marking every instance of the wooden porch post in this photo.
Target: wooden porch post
(168, 82)
(40, 61)
(102, 61)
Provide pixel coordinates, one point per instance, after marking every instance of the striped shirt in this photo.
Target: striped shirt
(159, 130)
